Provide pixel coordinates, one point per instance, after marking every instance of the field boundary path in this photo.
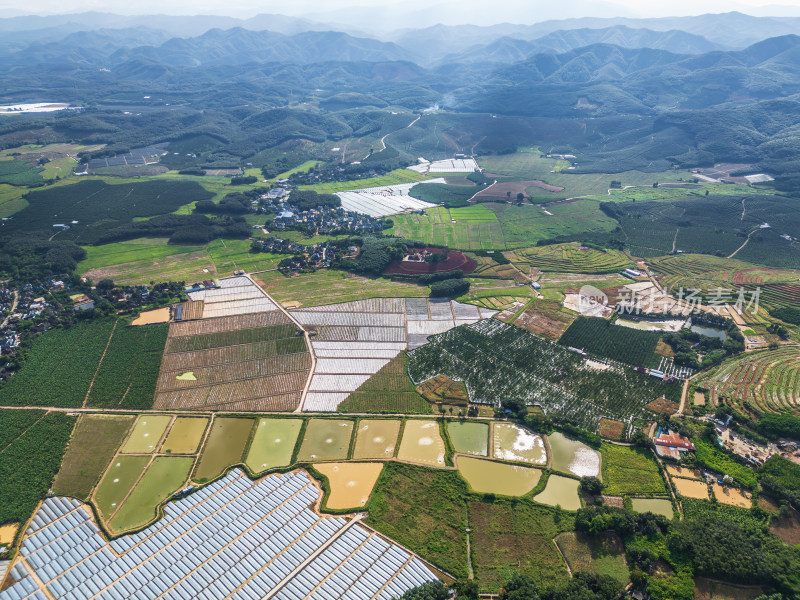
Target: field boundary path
(383, 139)
(306, 336)
(749, 235)
(100, 364)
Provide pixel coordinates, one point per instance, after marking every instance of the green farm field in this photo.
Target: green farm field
(604, 555)
(331, 287)
(94, 443)
(532, 165)
(432, 524)
(152, 259)
(389, 390)
(475, 228)
(569, 258)
(630, 471)
(392, 178)
(516, 536)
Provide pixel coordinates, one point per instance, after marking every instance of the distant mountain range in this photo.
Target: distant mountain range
(95, 37)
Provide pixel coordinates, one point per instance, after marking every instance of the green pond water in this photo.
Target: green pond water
(653, 505)
(326, 439)
(570, 456)
(469, 438)
(489, 477)
(560, 490)
(273, 444)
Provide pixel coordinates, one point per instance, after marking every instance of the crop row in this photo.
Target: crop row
(230, 338)
(606, 340)
(128, 371)
(572, 258)
(235, 323)
(59, 367)
(232, 354)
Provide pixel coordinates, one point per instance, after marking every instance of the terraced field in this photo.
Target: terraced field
(570, 258)
(768, 380)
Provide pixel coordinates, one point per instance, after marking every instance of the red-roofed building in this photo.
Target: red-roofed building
(672, 444)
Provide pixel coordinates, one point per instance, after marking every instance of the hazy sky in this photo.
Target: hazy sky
(476, 11)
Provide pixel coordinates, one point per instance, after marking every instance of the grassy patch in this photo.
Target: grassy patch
(527, 224)
(389, 390)
(602, 555)
(94, 443)
(330, 286)
(630, 471)
(468, 228)
(716, 460)
(392, 178)
(424, 510)
(516, 536)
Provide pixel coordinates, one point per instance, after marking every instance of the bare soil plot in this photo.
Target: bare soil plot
(611, 429)
(443, 389)
(185, 435)
(159, 315)
(691, 488)
(604, 555)
(326, 439)
(707, 589)
(146, 435)
(224, 447)
(732, 496)
(376, 438)
(699, 399)
(422, 443)
(351, 484)
(662, 406)
(684, 472)
(544, 318)
(273, 444)
(787, 527)
(8, 533)
(94, 442)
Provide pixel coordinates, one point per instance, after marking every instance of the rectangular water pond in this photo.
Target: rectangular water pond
(351, 483)
(224, 447)
(422, 443)
(185, 435)
(490, 477)
(571, 456)
(469, 438)
(326, 439)
(653, 505)
(273, 444)
(119, 479)
(560, 491)
(376, 438)
(146, 434)
(515, 443)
